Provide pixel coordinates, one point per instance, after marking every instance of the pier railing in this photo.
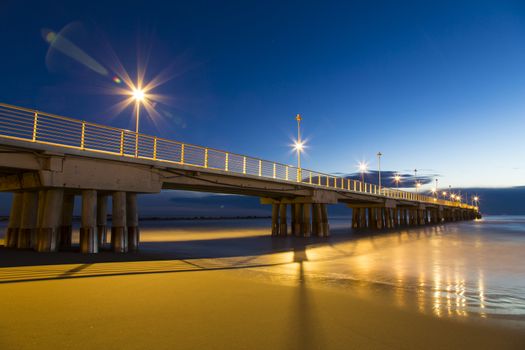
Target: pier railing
(35, 126)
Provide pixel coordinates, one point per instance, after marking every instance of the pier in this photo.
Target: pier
(47, 160)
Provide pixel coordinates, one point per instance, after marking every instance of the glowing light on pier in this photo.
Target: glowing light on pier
(397, 179)
(298, 146)
(138, 95)
(363, 168)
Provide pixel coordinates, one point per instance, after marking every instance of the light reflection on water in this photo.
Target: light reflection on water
(453, 270)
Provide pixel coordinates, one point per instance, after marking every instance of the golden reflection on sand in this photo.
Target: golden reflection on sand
(416, 267)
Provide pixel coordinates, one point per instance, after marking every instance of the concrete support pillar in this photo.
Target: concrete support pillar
(65, 230)
(440, 215)
(293, 225)
(88, 227)
(119, 232)
(132, 219)
(355, 218)
(28, 220)
(395, 221)
(362, 218)
(48, 232)
(372, 218)
(297, 219)
(388, 218)
(380, 222)
(102, 219)
(275, 220)
(412, 216)
(283, 224)
(306, 226)
(324, 221)
(317, 228)
(11, 235)
(40, 215)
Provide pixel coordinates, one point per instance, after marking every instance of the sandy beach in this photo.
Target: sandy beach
(219, 310)
(256, 294)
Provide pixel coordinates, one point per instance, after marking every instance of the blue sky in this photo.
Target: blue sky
(433, 85)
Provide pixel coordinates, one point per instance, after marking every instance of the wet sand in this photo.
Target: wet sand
(219, 310)
(233, 289)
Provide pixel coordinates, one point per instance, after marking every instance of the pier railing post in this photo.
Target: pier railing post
(83, 135)
(35, 126)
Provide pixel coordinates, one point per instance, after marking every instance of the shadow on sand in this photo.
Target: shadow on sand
(178, 256)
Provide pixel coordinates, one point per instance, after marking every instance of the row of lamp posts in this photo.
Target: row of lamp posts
(363, 167)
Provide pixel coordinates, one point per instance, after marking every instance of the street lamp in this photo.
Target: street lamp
(397, 180)
(415, 177)
(138, 96)
(298, 146)
(476, 199)
(379, 154)
(363, 167)
(436, 189)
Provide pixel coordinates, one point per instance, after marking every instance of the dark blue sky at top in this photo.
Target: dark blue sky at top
(433, 85)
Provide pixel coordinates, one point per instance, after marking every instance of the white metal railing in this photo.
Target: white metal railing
(34, 126)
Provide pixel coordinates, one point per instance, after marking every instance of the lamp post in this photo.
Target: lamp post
(436, 190)
(379, 154)
(416, 183)
(298, 146)
(138, 95)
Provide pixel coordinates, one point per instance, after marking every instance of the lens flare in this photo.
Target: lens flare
(60, 43)
(117, 80)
